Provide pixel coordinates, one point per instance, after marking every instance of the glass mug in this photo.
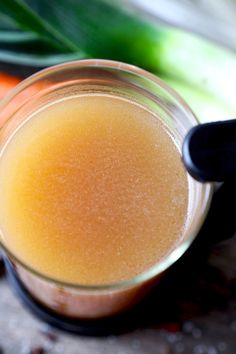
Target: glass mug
(134, 84)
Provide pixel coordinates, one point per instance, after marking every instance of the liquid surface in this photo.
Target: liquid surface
(92, 190)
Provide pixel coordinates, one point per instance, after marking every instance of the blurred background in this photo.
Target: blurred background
(200, 66)
(191, 44)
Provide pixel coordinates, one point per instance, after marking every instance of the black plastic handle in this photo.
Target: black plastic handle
(209, 151)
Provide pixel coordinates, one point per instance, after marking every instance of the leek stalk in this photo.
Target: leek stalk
(206, 107)
(104, 29)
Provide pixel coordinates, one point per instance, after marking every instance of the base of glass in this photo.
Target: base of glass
(103, 327)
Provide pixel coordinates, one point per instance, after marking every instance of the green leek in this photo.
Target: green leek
(206, 107)
(104, 29)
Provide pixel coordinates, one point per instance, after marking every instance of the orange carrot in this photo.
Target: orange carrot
(7, 82)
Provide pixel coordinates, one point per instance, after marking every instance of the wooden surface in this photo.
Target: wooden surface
(192, 310)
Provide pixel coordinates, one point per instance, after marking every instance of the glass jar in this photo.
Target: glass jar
(126, 81)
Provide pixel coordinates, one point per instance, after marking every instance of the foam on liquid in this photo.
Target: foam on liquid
(92, 190)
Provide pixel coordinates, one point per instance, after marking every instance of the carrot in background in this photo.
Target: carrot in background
(7, 82)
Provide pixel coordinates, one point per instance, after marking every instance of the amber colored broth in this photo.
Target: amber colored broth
(92, 190)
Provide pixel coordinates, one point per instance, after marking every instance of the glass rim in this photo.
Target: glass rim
(207, 189)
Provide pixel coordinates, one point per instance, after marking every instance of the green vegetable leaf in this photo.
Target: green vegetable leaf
(97, 28)
(16, 36)
(27, 19)
(30, 51)
(6, 22)
(34, 59)
(104, 29)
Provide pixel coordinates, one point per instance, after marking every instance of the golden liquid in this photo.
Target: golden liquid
(92, 190)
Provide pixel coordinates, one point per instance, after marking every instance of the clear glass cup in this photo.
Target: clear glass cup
(119, 79)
